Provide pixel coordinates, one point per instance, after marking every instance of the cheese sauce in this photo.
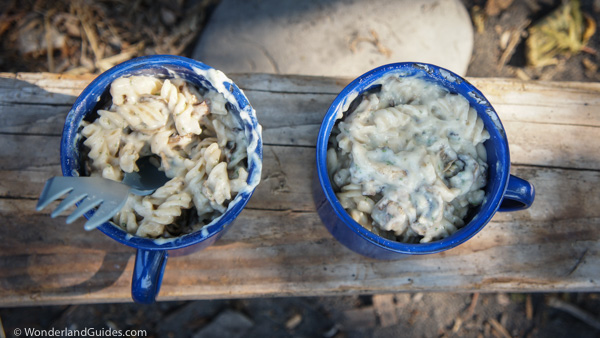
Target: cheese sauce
(409, 162)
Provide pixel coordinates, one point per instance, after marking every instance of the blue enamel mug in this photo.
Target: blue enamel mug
(151, 256)
(503, 192)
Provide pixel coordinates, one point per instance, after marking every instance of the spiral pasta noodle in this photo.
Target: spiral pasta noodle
(408, 162)
(200, 145)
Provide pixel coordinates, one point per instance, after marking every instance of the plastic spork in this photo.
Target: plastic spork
(109, 196)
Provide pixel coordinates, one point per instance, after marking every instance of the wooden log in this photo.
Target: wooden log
(286, 252)
(278, 245)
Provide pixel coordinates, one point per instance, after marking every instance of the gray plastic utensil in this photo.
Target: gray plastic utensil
(109, 196)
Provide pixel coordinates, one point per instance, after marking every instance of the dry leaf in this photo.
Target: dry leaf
(560, 34)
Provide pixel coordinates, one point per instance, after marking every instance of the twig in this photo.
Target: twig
(2, 333)
(520, 73)
(467, 315)
(374, 41)
(471, 308)
(528, 308)
(457, 325)
(380, 47)
(575, 311)
(110, 61)
(83, 16)
(49, 42)
(515, 38)
(478, 15)
(498, 327)
(589, 50)
(293, 322)
(91, 36)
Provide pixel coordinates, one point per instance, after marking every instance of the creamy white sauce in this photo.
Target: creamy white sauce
(408, 163)
(217, 79)
(252, 132)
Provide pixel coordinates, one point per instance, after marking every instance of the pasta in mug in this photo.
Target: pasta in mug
(407, 160)
(199, 144)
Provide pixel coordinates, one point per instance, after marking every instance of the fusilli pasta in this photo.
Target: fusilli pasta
(201, 147)
(409, 161)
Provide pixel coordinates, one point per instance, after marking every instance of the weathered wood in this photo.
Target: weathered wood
(547, 124)
(278, 245)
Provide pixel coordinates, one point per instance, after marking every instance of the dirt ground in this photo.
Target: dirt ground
(499, 51)
(488, 58)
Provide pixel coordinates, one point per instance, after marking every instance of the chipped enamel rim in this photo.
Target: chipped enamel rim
(499, 163)
(167, 66)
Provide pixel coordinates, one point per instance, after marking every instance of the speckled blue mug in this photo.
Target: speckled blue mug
(503, 191)
(152, 254)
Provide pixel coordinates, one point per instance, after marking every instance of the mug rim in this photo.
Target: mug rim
(448, 80)
(95, 90)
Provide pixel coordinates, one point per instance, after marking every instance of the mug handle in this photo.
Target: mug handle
(519, 195)
(147, 275)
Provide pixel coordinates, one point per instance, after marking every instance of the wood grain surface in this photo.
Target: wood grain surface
(278, 245)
